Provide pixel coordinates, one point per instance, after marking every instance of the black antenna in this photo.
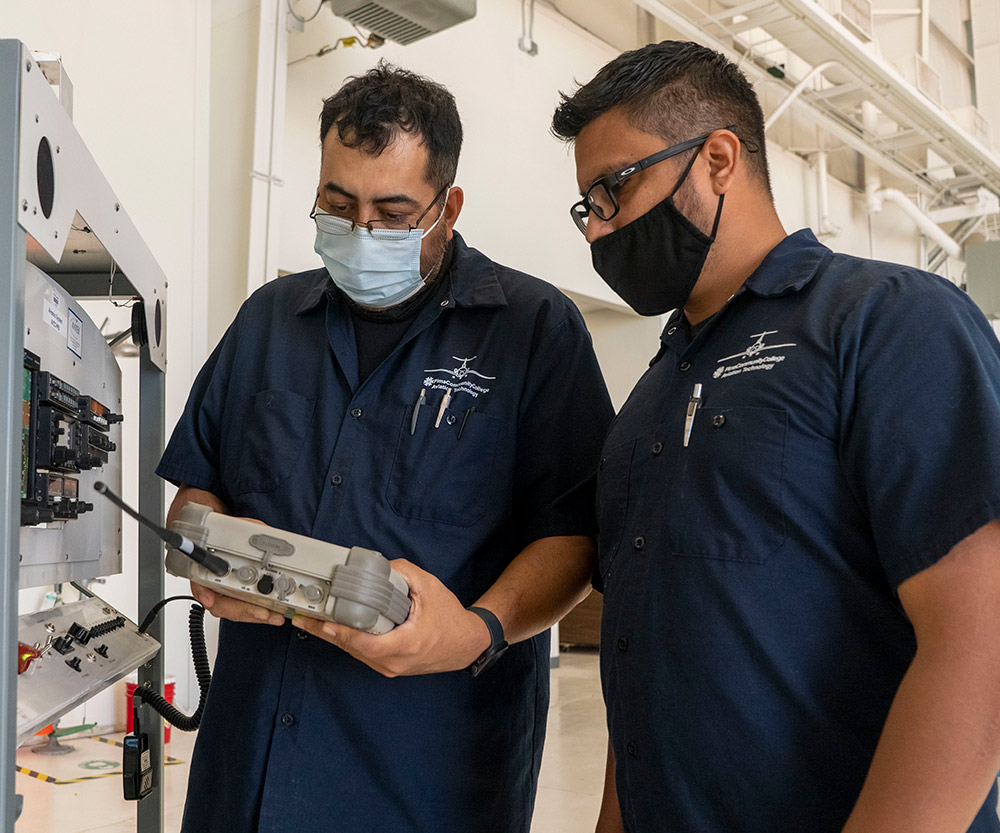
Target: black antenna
(212, 563)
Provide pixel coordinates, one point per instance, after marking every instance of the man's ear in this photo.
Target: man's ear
(453, 207)
(723, 150)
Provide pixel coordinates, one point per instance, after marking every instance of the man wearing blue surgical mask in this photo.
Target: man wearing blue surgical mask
(413, 397)
(799, 502)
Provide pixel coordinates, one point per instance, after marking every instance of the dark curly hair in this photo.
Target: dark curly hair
(676, 90)
(370, 110)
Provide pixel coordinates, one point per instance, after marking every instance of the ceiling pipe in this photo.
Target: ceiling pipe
(927, 226)
(786, 102)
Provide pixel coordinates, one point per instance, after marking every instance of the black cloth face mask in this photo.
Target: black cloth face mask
(654, 262)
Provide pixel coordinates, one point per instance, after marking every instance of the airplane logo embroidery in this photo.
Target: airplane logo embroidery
(462, 371)
(757, 347)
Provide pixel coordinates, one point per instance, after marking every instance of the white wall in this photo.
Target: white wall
(139, 72)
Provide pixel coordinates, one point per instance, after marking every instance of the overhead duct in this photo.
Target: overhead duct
(404, 21)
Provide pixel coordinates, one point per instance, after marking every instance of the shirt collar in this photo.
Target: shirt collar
(789, 266)
(474, 281)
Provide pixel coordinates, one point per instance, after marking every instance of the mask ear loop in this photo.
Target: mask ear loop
(722, 197)
(718, 214)
(684, 175)
(444, 208)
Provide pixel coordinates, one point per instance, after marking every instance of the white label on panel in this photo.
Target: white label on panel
(74, 339)
(54, 311)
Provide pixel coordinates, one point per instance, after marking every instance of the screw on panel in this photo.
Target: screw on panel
(117, 206)
(36, 118)
(24, 205)
(57, 148)
(57, 235)
(27, 65)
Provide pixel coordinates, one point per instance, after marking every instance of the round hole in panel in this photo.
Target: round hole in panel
(45, 176)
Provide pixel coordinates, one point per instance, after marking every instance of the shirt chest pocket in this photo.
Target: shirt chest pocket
(727, 498)
(273, 434)
(440, 477)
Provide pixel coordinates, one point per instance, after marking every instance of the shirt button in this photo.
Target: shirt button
(287, 719)
(600, 466)
(302, 635)
(336, 480)
(623, 644)
(685, 366)
(444, 303)
(356, 413)
(451, 419)
(719, 420)
(639, 543)
(631, 750)
(657, 448)
(671, 331)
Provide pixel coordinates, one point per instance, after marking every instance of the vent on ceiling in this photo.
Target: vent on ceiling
(405, 21)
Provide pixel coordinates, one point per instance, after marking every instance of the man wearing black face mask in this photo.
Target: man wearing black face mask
(799, 546)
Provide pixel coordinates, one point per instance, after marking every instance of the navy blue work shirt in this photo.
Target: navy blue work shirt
(752, 640)
(298, 735)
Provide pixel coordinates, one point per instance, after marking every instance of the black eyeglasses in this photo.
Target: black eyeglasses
(348, 225)
(600, 197)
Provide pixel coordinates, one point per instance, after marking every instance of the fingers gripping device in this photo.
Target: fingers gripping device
(291, 573)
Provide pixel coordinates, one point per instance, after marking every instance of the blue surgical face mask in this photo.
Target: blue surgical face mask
(378, 268)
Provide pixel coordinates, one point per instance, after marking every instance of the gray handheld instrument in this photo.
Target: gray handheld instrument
(291, 573)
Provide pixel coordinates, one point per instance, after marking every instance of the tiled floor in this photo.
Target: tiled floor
(569, 792)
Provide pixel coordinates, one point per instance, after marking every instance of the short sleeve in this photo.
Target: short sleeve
(192, 455)
(920, 418)
(563, 417)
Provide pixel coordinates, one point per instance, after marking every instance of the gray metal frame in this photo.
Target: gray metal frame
(13, 243)
(127, 250)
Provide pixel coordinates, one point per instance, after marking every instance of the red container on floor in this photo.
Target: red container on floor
(168, 693)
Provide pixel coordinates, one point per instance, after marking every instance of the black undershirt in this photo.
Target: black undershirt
(377, 332)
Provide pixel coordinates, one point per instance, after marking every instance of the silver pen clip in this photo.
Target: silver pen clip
(693, 404)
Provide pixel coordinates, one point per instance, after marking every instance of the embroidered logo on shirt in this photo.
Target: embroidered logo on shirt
(753, 361)
(458, 383)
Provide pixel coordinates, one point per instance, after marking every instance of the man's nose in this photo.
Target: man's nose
(597, 228)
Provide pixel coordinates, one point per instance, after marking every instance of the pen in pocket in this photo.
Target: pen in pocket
(465, 419)
(416, 410)
(445, 402)
(693, 404)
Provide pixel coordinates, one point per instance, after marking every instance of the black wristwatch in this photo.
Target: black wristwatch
(497, 643)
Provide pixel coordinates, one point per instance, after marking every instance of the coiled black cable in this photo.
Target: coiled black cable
(202, 669)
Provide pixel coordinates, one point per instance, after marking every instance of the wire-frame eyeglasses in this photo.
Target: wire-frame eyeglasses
(347, 225)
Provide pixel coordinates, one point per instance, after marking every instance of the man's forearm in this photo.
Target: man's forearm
(189, 494)
(541, 585)
(939, 751)
(610, 818)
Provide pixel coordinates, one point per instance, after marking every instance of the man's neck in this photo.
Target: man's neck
(731, 260)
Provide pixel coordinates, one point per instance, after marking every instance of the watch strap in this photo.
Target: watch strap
(497, 643)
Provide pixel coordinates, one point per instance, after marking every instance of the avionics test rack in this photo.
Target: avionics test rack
(59, 216)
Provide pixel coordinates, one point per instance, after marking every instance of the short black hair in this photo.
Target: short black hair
(676, 90)
(371, 110)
